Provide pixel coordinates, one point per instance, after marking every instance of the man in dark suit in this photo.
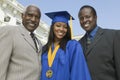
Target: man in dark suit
(99, 46)
(19, 58)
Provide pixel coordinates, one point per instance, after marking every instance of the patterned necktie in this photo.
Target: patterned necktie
(88, 41)
(34, 39)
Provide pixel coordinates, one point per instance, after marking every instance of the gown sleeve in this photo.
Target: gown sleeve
(78, 66)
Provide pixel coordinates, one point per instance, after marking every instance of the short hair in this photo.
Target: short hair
(90, 7)
(32, 5)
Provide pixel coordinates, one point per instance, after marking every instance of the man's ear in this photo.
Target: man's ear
(22, 15)
(96, 17)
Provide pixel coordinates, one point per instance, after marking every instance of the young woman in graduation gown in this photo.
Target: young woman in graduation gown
(62, 58)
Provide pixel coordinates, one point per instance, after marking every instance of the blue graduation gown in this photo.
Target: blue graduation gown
(67, 65)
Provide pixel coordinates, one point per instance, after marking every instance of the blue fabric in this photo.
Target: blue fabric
(60, 19)
(92, 34)
(69, 65)
(59, 16)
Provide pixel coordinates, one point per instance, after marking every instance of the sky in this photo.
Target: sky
(108, 12)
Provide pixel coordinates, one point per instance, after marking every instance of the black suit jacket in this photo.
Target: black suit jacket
(102, 56)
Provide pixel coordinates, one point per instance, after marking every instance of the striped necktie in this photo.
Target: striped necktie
(34, 39)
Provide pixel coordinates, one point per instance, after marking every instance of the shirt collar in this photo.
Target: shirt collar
(93, 32)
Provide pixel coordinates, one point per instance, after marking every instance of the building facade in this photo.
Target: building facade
(10, 14)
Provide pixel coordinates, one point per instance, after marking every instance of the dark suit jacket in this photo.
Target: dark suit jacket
(101, 56)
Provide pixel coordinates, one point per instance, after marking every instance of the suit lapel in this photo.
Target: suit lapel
(39, 45)
(98, 36)
(27, 37)
(83, 43)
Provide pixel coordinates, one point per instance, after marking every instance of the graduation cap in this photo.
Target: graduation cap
(59, 16)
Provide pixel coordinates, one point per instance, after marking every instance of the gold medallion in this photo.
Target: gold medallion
(49, 73)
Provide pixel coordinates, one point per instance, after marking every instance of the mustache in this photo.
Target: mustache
(32, 22)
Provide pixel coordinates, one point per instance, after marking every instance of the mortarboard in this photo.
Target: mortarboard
(59, 16)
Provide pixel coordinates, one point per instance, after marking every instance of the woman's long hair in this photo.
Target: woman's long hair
(51, 37)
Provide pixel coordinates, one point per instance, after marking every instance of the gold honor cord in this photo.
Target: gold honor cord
(51, 55)
(71, 27)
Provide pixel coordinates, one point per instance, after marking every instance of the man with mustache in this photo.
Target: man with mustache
(19, 56)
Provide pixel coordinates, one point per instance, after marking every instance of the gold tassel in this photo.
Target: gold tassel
(71, 27)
